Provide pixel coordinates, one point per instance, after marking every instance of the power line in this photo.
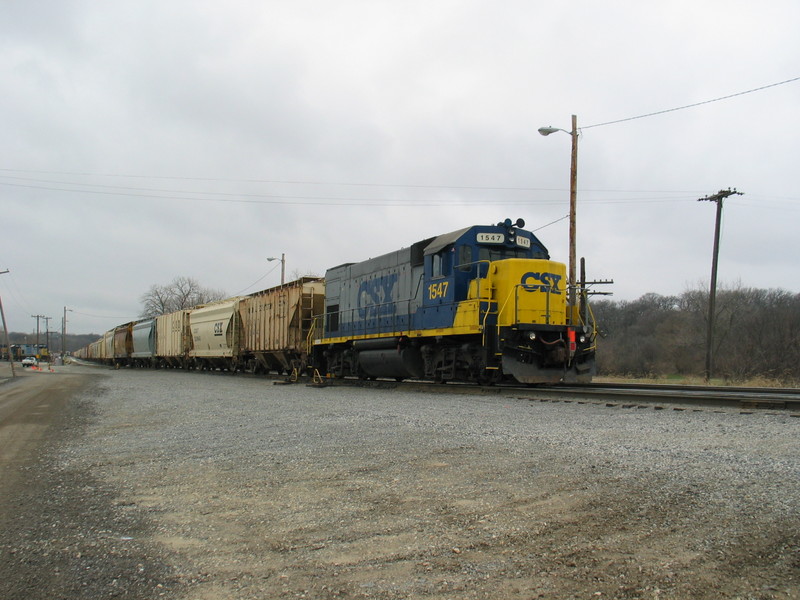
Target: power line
(299, 200)
(236, 196)
(103, 316)
(327, 200)
(661, 112)
(287, 182)
(280, 181)
(550, 223)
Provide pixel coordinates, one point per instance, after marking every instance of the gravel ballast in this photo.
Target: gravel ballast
(216, 486)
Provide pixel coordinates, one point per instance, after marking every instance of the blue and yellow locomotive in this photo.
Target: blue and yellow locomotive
(484, 303)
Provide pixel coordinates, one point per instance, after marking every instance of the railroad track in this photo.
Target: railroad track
(694, 395)
(626, 395)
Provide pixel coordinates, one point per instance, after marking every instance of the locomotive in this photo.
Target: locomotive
(483, 304)
(480, 304)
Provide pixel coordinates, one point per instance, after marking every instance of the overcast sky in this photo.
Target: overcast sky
(144, 140)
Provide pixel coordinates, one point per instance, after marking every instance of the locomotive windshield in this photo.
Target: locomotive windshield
(500, 253)
(468, 257)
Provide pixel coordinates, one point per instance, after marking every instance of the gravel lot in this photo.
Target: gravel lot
(212, 486)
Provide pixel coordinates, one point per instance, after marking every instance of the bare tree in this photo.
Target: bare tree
(156, 301)
(757, 334)
(181, 293)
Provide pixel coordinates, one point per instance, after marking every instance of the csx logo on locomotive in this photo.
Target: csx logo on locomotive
(541, 282)
(375, 296)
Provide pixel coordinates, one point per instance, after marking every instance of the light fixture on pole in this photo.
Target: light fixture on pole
(283, 266)
(573, 196)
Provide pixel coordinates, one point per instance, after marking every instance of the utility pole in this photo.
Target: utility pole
(719, 197)
(64, 333)
(37, 317)
(5, 328)
(47, 335)
(573, 201)
(283, 265)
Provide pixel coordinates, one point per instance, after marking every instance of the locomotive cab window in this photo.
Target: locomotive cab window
(464, 259)
(440, 264)
(493, 254)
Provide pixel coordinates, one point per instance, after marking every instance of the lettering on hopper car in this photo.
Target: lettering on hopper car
(541, 282)
(375, 296)
(219, 328)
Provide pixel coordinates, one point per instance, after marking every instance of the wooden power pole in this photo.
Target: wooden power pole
(5, 329)
(712, 296)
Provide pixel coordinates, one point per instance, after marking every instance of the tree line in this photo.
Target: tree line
(756, 335)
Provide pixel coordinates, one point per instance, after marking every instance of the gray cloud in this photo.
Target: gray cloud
(226, 134)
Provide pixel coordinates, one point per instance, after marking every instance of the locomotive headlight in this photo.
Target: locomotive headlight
(532, 335)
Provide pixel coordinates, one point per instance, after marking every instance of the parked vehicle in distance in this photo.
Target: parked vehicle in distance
(30, 361)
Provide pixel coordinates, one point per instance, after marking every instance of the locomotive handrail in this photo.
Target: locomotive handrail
(361, 326)
(310, 336)
(485, 261)
(515, 293)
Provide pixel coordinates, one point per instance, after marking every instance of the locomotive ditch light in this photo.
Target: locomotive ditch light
(582, 339)
(532, 335)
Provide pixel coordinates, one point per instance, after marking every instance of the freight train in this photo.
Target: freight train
(484, 304)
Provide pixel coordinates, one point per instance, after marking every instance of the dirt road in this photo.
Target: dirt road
(53, 521)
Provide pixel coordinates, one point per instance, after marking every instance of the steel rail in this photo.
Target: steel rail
(625, 394)
(767, 398)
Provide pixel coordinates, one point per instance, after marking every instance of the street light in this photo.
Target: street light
(283, 266)
(573, 193)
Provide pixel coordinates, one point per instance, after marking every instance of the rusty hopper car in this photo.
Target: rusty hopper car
(277, 323)
(96, 350)
(106, 353)
(122, 345)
